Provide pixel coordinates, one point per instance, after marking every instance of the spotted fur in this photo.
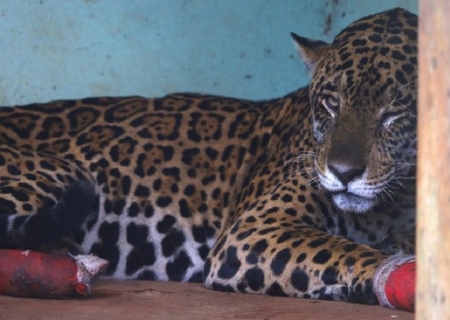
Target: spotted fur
(302, 196)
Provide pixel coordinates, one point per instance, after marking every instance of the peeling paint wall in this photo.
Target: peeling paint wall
(52, 49)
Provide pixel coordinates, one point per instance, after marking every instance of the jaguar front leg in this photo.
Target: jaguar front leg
(295, 261)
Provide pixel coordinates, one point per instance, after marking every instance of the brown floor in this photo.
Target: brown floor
(135, 300)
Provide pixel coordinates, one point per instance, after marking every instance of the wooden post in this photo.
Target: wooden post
(433, 230)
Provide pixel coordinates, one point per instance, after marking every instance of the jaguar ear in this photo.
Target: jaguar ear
(310, 50)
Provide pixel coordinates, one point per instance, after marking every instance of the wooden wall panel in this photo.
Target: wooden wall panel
(433, 236)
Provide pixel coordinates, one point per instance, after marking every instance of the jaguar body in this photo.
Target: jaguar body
(303, 195)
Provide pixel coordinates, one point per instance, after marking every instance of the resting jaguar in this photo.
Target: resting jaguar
(304, 195)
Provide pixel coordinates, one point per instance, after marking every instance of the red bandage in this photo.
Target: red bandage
(394, 283)
(39, 275)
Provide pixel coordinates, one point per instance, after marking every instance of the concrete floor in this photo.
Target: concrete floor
(134, 300)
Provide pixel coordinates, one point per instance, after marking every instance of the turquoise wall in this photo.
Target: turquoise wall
(53, 49)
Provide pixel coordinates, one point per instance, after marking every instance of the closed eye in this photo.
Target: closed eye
(331, 104)
(389, 118)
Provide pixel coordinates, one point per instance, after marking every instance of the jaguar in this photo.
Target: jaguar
(303, 196)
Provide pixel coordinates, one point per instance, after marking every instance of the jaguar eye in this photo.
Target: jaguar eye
(331, 104)
(388, 118)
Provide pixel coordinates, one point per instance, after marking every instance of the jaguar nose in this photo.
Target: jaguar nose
(346, 172)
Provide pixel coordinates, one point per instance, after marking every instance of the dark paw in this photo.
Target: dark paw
(397, 243)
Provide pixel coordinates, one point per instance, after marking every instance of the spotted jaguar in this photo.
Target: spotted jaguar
(302, 196)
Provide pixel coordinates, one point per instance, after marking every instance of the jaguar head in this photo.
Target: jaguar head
(363, 96)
